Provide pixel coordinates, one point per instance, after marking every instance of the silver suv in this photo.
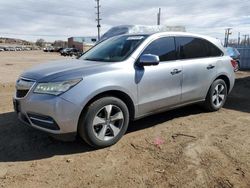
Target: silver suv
(124, 78)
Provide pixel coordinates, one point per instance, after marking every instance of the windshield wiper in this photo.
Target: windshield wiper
(97, 59)
(93, 59)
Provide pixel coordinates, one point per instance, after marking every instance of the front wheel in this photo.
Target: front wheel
(104, 122)
(216, 96)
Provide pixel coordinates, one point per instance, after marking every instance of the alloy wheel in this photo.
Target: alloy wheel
(108, 122)
(219, 95)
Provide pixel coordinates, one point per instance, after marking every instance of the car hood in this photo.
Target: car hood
(57, 69)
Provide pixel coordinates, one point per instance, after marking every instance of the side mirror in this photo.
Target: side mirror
(148, 60)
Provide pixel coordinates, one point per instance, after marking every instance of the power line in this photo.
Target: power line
(98, 19)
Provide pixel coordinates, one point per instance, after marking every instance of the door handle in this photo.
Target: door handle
(210, 67)
(175, 71)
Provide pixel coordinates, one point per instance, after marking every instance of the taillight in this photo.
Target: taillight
(234, 63)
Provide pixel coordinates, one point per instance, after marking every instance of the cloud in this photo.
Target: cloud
(31, 19)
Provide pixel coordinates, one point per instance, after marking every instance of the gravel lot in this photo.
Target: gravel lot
(182, 148)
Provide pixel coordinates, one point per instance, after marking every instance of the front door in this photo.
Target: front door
(159, 87)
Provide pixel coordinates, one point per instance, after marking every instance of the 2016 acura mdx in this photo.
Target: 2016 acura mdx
(124, 78)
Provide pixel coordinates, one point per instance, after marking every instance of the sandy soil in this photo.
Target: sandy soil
(13, 63)
(181, 148)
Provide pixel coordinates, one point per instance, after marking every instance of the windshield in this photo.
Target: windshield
(114, 49)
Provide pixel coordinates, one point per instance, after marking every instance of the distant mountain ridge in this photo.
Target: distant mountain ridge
(4, 40)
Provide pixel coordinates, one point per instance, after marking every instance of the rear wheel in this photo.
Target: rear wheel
(238, 66)
(216, 96)
(104, 122)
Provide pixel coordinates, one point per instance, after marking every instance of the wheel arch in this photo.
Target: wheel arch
(226, 80)
(112, 93)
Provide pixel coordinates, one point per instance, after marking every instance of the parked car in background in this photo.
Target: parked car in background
(10, 49)
(58, 50)
(48, 49)
(235, 55)
(124, 78)
(65, 51)
(27, 49)
(1, 49)
(18, 48)
(69, 52)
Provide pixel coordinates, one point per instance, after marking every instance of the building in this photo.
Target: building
(81, 43)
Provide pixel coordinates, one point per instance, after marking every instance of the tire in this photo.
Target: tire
(237, 67)
(216, 96)
(104, 122)
(238, 62)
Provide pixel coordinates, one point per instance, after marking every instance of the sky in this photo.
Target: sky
(58, 20)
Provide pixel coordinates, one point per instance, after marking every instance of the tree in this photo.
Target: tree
(60, 44)
(40, 42)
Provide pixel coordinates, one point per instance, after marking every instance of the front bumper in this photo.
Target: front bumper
(48, 113)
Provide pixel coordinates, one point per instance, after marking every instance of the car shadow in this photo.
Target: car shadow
(239, 98)
(156, 119)
(19, 142)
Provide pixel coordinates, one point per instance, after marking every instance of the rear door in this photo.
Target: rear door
(199, 59)
(159, 86)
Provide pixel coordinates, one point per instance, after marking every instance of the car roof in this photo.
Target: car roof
(177, 33)
(156, 35)
(173, 33)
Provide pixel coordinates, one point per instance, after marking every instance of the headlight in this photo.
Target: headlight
(55, 88)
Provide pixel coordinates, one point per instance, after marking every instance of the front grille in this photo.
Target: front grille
(23, 86)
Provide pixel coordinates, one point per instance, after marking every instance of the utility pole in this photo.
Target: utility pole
(227, 33)
(225, 40)
(245, 39)
(238, 39)
(98, 19)
(159, 17)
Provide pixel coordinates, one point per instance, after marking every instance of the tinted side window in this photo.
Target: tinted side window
(190, 47)
(163, 47)
(213, 50)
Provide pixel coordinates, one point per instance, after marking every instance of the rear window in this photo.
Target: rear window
(213, 51)
(190, 47)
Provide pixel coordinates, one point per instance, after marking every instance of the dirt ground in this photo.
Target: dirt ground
(182, 148)
(13, 63)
